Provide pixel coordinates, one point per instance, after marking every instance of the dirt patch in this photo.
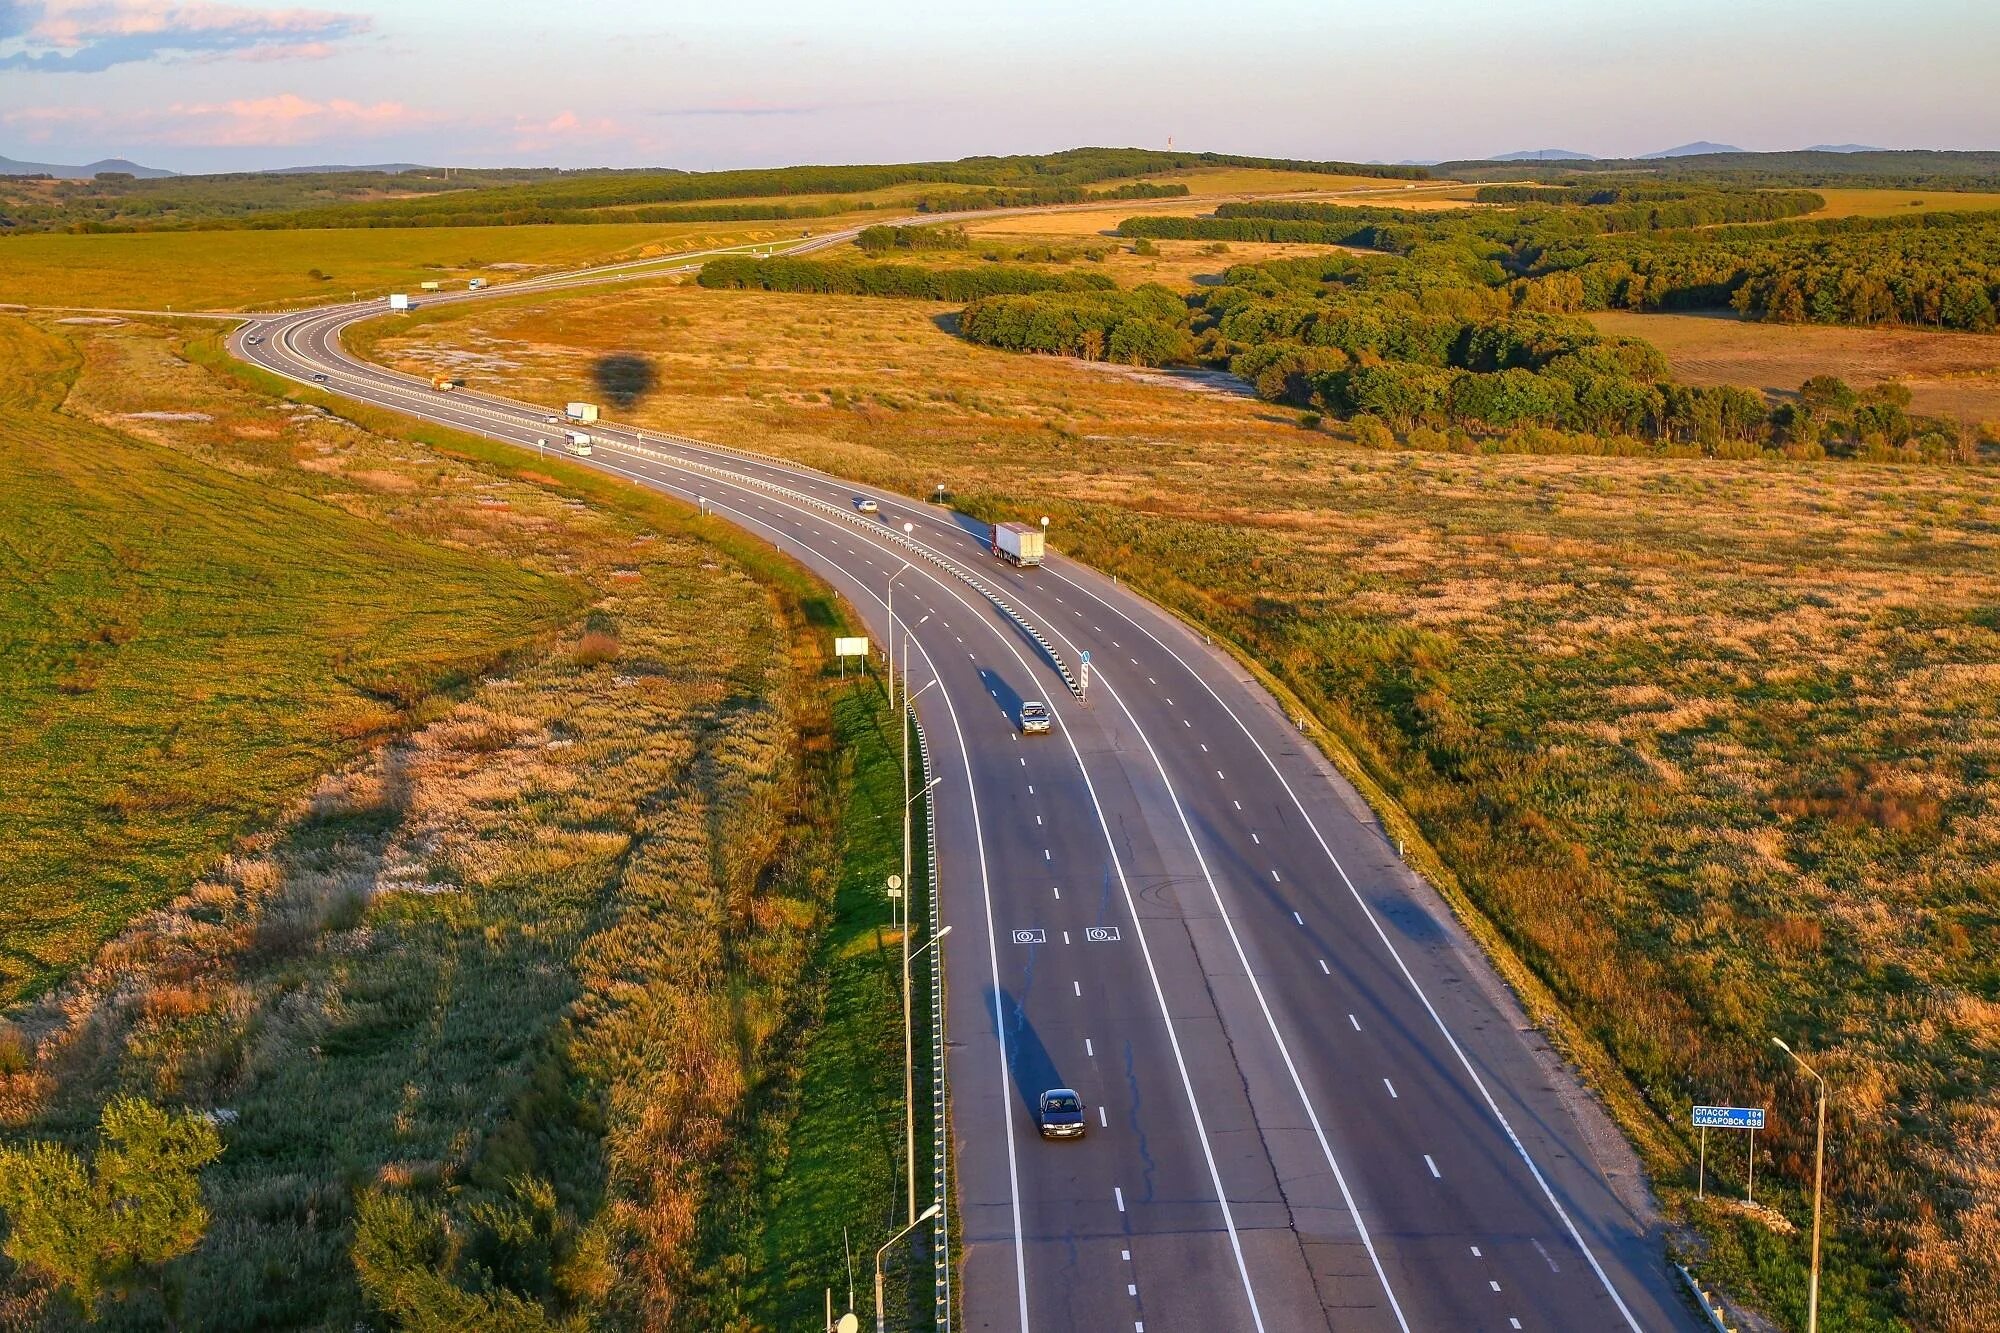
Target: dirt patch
(1193, 381)
(1948, 374)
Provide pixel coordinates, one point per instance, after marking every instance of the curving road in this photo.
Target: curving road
(1312, 1105)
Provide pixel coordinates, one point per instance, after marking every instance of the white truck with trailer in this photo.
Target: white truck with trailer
(577, 443)
(1018, 543)
(584, 412)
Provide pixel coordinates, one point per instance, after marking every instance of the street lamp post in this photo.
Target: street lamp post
(892, 629)
(1819, 1181)
(881, 1320)
(909, 1051)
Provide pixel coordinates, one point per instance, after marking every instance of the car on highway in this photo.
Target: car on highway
(319, 379)
(254, 339)
(1034, 717)
(865, 505)
(1059, 1114)
(550, 420)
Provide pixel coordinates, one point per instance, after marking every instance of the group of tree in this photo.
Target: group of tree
(877, 240)
(836, 278)
(1663, 249)
(1147, 326)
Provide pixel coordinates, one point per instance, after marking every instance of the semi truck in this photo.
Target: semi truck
(578, 443)
(584, 412)
(1018, 543)
(443, 383)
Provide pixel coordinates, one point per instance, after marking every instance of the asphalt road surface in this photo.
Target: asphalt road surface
(1311, 1104)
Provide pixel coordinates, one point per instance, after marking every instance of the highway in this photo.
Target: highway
(1312, 1105)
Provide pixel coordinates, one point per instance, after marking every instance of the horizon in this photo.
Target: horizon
(210, 88)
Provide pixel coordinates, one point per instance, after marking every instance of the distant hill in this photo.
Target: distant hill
(1696, 149)
(10, 167)
(1844, 148)
(1543, 155)
(387, 168)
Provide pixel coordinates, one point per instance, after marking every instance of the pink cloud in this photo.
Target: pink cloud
(284, 119)
(532, 136)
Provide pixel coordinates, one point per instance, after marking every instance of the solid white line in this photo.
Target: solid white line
(1451, 1040)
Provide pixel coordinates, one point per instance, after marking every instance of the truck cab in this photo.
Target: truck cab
(1034, 717)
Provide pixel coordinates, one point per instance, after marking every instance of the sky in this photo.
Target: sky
(231, 85)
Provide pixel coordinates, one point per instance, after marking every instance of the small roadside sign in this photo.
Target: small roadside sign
(1749, 1118)
(844, 648)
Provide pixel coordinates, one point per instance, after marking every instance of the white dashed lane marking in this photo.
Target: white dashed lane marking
(1435, 1173)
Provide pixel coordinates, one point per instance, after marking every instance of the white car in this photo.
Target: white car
(865, 505)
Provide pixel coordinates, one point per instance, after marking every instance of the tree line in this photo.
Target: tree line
(836, 278)
(1940, 270)
(1383, 340)
(877, 240)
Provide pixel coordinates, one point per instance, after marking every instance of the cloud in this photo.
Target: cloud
(284, 119)
(537, 136)
(740, 109)
(253, 122)
(89, 36)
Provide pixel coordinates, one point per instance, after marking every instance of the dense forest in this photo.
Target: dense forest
(1895, 169)
(834, 278)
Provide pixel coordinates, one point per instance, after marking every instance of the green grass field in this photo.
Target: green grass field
(538, 993)
(242, 270)
(187, 649)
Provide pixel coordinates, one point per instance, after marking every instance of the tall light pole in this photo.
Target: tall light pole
(881, 1321)
(909, 1049)
(1819, 1180)
(892, 631)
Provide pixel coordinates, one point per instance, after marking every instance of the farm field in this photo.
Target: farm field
(241, 270)
(1843, 202)
(1948, 374)
(1710, 743)
(540, 790)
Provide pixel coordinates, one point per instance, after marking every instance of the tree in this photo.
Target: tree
(97, 1229)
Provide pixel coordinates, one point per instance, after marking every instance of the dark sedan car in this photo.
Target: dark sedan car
(1060, 1112)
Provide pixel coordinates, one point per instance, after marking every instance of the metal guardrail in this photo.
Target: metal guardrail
(845, 515)
(940, 1144)
(1710, 1306)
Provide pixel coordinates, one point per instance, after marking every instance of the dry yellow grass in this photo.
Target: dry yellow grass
(573, 908)
(1663, 718)
(1948, 374)
(1848, 203)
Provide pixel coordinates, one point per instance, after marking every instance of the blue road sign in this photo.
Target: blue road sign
(1728, 1117)
(1086, 657)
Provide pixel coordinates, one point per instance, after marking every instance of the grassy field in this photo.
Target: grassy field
(1862, 203)
(513, 1003)
(1711, 744)
(1948, 374)
(241, 270)
(186, 650)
